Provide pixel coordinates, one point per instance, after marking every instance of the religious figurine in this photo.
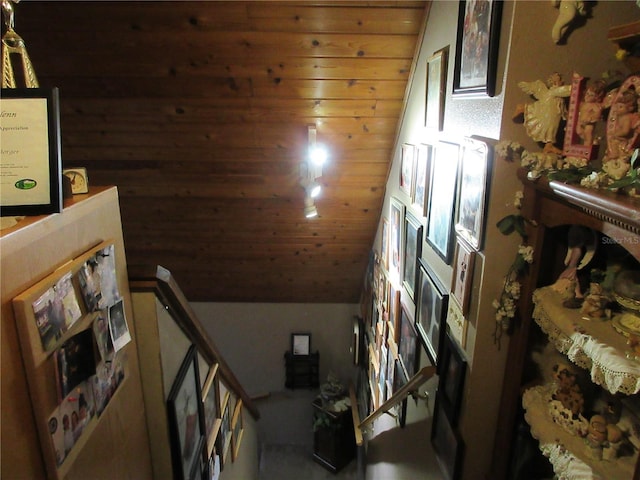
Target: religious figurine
(542, 118)
(567, 11)
(590, 111)
(623, 129)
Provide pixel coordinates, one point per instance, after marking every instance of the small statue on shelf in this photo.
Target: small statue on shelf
(542, 118)
(590, 111)
(581, 248)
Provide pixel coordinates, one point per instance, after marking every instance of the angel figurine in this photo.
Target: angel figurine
(542, 117)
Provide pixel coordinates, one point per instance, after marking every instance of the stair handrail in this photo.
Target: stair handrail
(403, 392)
(160, 281)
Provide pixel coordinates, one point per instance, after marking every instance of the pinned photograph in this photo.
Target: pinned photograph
(97, 279)
(118, 327)
(102, 335)
(56, 311)
(74, 362)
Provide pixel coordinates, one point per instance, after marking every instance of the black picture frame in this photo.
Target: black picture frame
(447, 443)
(442, 198)
(301, 343)
(475, 165)
(41, 149)
(186, 418)
(475, 68)
(431, 311)
(452, 374)
(412, 252)
(408, 341)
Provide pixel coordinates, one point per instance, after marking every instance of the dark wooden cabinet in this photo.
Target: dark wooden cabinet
(552, 208)
(302, 371)
(334, 443)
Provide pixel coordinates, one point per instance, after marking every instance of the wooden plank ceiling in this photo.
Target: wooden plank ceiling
(198, 112)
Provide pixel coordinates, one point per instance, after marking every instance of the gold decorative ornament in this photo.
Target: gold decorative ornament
(13, 44)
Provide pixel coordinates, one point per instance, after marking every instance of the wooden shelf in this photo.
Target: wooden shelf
(592, 344)
(568, 453)
(627, 37)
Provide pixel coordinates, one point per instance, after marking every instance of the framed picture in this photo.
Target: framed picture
(447, 443)
(442, 197)
(186, 421)
(477, 47)
(406, 168)
(463, 274)
(237, 430)
(412, 252)
(423, 164)
(452, 375)
(408, 343)
(31, 162)
(224, 435)
(474, 172)
(396, 219)
(394, 310)
(431, 304)
(578, 139)
(301, 343)
(211, 407)
(436, 86)
(457, 324)
(399, 380)
(384, 243)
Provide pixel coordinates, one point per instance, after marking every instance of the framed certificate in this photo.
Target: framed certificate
(301, 343)
(30, 159)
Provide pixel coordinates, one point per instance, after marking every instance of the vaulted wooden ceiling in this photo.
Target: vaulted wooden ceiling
(198, 112)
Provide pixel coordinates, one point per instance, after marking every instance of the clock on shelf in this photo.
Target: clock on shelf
(78, 179)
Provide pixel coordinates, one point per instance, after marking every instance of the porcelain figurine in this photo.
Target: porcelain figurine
(568, 10)
(542, 117)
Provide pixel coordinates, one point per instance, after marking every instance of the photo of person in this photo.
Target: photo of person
(120, 335)
(102, 335)
(97, 279)
(56, 311)
(74, 362)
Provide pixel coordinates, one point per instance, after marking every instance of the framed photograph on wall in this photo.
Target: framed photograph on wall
(447, 443)
(301, 343)
(431, 304)
(475, 162)
(408, 343)
(436, 87)
(186, 422)
(412, 252)
(406, 168)
(452, 373)
(31, 161)
(442, 197)
(421, 189)
(211, 406)
(463, 274)
(396, 224)
(384, 243)
(477, 41)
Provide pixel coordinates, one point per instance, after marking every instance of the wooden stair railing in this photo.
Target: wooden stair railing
(160, 281)
(407, 389)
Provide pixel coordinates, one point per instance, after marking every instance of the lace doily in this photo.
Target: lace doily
(568, 453)
(591, 344)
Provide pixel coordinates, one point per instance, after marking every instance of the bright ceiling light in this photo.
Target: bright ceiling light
(317, 154)
(315, 189)
(310, 210)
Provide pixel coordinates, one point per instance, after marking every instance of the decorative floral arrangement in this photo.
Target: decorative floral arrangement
(506, 304)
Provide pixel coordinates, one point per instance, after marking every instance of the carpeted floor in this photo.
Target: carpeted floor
(295, 462)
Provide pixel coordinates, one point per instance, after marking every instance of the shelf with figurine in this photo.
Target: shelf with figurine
(583, 445)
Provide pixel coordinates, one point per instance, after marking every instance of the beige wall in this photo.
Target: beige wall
(526, 52)
(256, 336)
